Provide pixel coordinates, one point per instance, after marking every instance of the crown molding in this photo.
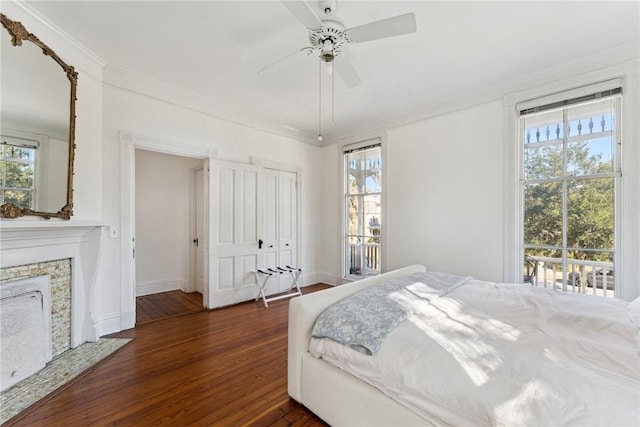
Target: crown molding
(618, 55)
(145, 86)
(62, 43)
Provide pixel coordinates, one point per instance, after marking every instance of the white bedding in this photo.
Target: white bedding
(501, 354)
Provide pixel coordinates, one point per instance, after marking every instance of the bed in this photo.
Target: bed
(469, 353)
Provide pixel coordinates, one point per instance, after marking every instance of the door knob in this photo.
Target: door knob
(260, 242)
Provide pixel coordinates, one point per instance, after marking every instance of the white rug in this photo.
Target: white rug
(57, 373)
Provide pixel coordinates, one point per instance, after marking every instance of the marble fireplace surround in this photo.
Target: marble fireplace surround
(30, 242)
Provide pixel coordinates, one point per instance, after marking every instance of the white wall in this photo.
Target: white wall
(163, 217)
(330, 220)
(444, 193)
(125, 110)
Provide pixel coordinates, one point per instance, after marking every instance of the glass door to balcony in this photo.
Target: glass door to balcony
(363, 219)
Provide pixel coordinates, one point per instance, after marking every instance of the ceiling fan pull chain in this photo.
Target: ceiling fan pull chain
(333, 90)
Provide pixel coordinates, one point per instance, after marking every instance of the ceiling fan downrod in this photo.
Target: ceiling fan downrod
(329, 34)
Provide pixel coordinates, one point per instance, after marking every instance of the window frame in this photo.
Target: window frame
(22, 142)
(563, 106)
(376, 142)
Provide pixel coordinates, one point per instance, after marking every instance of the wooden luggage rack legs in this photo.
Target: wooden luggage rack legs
(263, 276)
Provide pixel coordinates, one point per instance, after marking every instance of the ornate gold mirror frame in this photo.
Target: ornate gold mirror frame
(18, 34)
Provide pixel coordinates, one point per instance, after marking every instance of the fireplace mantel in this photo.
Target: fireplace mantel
(29, 242)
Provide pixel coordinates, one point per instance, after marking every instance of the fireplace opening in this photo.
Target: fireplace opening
(25, 328)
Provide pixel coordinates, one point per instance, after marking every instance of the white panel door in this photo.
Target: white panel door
(234, 232)
(287, 224)
(254, 223)
(269, 220)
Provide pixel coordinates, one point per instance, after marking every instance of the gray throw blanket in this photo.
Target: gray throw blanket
(364, 319)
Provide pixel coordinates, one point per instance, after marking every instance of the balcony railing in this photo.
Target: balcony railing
(364, 259)
(587, 277)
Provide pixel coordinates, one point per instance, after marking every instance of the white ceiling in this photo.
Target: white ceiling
(216, 48)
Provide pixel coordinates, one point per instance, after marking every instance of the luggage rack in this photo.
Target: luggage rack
(263, 276)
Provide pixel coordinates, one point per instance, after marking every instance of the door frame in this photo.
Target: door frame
(129, 142)
(193, 253)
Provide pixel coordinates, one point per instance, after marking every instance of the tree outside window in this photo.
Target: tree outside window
(569, 196)
(17, 172)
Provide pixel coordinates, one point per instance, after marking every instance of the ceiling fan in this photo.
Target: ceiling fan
(328, 35)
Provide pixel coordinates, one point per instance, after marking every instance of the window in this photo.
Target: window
(17, 172)
(363, 220)
(569, 175)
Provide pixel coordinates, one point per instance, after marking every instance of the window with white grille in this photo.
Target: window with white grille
(17, 172)
(569, 178)
(363, 212)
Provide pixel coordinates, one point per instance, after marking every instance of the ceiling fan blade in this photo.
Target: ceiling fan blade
(390, 27)
(301, 10)
(284, 58)
(347, 73)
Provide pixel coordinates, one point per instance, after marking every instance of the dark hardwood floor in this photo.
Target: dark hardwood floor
(154, 307)
(225, 367)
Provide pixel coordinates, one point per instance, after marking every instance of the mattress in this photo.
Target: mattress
(503, 354)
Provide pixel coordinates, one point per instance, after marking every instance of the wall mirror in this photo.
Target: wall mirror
(37, 124)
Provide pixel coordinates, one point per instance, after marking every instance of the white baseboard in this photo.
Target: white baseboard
(312, 279)
(127, 320)
(110, 323)
(157, 286)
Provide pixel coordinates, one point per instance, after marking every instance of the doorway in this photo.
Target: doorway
(169, 240)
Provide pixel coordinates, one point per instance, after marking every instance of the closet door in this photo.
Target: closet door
(279, 227)
(269, 210)
(287, 224)
(253, 226)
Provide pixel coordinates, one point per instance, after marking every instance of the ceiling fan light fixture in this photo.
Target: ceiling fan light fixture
(327, 58)
(329, 67)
